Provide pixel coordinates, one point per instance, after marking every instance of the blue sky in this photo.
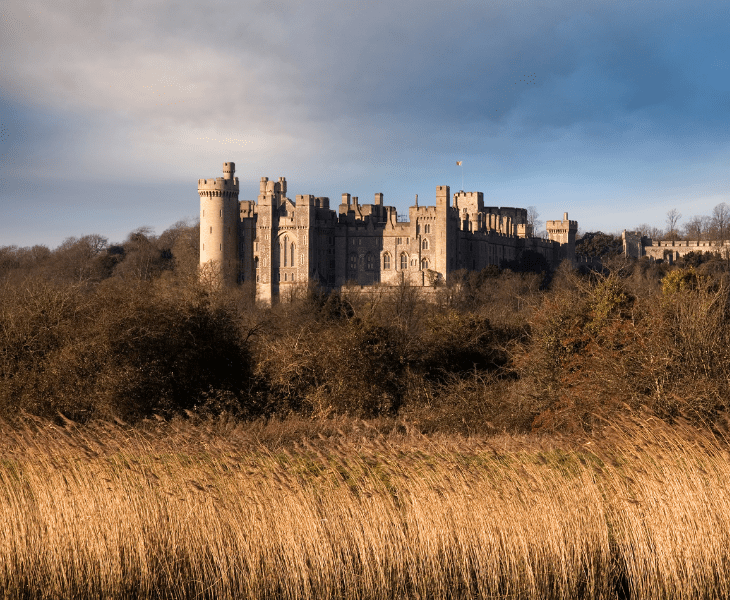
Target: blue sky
(110, 111)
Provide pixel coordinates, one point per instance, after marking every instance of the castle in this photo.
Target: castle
(636, 245)
(282, 244)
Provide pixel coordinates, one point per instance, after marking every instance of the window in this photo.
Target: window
(353, 262)
(284, 248)
(427, 228)
(211, 229)
(425, 245)
(256, 262)
(424, 264)
(386, 262)
(398, 240)
(369, 261)
(292, 276)
(403, 261)
(291, 252)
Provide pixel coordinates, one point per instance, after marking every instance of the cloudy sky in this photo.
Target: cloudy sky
(110, 110)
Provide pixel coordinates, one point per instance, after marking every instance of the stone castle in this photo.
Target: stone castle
(637, 246)
(283, 244)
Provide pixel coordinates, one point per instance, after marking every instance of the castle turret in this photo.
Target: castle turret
(564, 232)
(219, 226)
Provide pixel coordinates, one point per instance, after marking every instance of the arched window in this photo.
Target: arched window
(353, 262)
(424, 264)
(425, 244)
(403, 261)
(283, 249)
(369, 261)
(291, 262)
(427, 228)
(386, 261)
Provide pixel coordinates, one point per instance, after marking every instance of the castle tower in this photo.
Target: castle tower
(219, 226)
(444, 237)
(564, 232)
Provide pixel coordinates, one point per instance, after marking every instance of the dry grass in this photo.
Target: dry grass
(231, 511)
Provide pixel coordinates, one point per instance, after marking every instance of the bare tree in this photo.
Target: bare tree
(720, 221)
(696, 228)
(650, 231)
(533, 219)
(673, 217)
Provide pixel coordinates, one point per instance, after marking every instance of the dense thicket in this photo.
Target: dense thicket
(98, 330)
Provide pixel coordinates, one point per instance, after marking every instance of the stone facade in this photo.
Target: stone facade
(282, 244)
(637, 246)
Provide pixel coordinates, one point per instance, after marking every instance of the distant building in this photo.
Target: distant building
(637, 246)
(280, 243)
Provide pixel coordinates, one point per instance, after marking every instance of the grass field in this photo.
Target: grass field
(225, 510)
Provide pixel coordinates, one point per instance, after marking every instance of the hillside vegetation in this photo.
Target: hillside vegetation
(93, 330)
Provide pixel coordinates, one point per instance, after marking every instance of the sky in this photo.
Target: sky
(111, 110)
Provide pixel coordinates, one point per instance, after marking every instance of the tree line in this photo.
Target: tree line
(97, 330)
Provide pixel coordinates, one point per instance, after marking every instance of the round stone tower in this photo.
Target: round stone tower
(219, 217)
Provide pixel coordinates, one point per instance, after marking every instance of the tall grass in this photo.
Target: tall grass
(234, 511)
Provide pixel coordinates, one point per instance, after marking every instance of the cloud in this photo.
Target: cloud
(367, 93)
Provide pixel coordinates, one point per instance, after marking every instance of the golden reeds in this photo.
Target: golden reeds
(208, 512)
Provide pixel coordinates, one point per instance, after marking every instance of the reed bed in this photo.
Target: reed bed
(227, 511)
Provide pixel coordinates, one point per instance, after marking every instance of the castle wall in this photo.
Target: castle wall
(636, 246)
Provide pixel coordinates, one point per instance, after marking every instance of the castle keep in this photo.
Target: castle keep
(280, 243)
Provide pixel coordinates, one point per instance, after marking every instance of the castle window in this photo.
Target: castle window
(386, 262)
(424, 264)
(369, 261)
(292, 276)
(211, 229)
(284, 249)
(427, 228)
(414, 262)
(353, 262)
(403, 261)
(425, 244)
(291, 252)
(256, 262)
(398, 240)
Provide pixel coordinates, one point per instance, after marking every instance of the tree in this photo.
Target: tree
(720, 221)
(696, 228)
(650, 231)
(533, 219)
(673, 217)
